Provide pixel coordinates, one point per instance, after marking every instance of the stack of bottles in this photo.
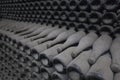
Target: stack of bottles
(60, 40)
(31, 51)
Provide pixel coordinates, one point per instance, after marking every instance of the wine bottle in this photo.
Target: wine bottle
(44, 33)
(64, 5)
(61, 61)
(101, 45)
(83, 17)
(73, 4)
(73, 39)
(78, 68)
(87, 41)
(72, 16)
(96, 5)
(34, 67)
(35, 51)
(46, 72)
(115, 49)
(55, 5)
(109, 18)
(52, 35)
(111, 5)
(28, 60)
(46, 57)
(83, 5)
(101, 72)
(61, 37)
(95, 17)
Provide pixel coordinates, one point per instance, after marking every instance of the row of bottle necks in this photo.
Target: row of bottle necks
(111, 5)
(79, 26)
(83, 11)
(108, 18)
(66, 50)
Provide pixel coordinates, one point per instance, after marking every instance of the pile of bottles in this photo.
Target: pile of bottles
(33, 51)
(62, 12)
(60, 40)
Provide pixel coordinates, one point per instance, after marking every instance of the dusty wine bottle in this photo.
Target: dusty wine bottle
(78, 68)
(87, 41)
(52, 35)
(83, 5)
(46, 72)
(101, 72)
(43, 33)
(73, 4)
(115, 49)
(95, 17)
(73, 39)
(82, 17)
(46, 57)
(35, 51)
(61, 61)
(55, 5)
(61, 37)
(64, 5)
(34, 67)
(109, 18)
(96, 5)
(102, 44)
(111, 5)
